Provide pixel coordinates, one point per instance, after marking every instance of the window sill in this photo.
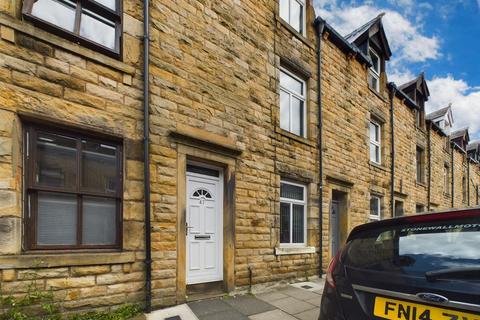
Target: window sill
(421, 129)
(282, 251)
(295, 137)
(297, 34)
(421, 184)
(378, 166)
(57, 259)
(378, 94)
(57, 41)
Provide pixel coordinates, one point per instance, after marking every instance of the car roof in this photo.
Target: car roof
(419, 218)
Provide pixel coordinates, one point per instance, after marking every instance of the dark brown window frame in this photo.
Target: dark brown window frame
(115, 16)
(31, 188)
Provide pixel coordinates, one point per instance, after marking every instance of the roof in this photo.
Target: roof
(438, 113)
(474, 145)
(419, 83)
(342, 43)
(459, 134)
(358, 35)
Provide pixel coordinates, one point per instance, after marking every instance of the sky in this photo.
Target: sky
(440, 38)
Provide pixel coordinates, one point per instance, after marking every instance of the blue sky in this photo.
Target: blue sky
(437, 37)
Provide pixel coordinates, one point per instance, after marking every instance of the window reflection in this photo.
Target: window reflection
(59, 13)
(97, 29)
(111, 4)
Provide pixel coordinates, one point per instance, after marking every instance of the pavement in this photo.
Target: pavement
(296, 301)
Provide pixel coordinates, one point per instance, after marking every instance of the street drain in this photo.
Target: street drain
(307, 287)
(174, 318)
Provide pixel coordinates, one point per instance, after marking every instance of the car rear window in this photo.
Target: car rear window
(417, 248)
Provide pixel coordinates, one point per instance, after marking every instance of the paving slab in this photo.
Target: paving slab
(299, 294)
(271, 296)
(249, 305)
(230, 314)
(183, 311)
(308, 315)
(292, 306)
(206, 307)
(315, 301)
(272, 315)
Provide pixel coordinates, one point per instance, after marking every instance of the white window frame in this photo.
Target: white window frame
(374, 72)
(303, 15)
(303, 98)
(446, 180)
(291, 202)
(379, 207)
(377, 144)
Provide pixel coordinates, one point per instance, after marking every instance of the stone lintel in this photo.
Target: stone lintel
(199, 137)
(339, 181)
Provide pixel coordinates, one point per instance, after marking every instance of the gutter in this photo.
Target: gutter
(146, 155)
(320, 25)
(393, 91)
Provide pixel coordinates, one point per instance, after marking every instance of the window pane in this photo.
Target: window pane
(99, 221)
(374, 206)
(97, 29)
(296, 16)
(108, 3)
(373, 153)
(298, 224)
(291, 191)
(59, 13)
(56, 161)
(284, 222)
(373, 132)
(99, 167)
(297, 116)
(398, 208)
(57, 219)
(375, 62)
(284, 10)
(284, 110)
(290, 83)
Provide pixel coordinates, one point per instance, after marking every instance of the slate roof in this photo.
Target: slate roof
(359, 32)
(421, 85)
(438, 113)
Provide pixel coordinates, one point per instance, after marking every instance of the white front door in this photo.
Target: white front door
(204, 227)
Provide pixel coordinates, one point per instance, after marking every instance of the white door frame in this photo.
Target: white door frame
(192, 177)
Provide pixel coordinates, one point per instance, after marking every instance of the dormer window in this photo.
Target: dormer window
(374, 72)
(293, 12)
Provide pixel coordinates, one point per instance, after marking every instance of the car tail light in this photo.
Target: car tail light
(331, 267)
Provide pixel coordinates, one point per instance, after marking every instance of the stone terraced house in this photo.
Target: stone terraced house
(257, 168)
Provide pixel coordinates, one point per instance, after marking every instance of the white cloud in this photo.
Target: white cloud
(464, 98)
(406, 39)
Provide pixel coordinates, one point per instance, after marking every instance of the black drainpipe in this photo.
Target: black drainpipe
(453, 173)
(468, 180)
(393, 90)
(320, 25)
(146, 155)
(429, 182)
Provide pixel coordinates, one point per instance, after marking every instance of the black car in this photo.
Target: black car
(423, 267)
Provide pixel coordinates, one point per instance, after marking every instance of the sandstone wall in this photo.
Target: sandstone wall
(46, 77)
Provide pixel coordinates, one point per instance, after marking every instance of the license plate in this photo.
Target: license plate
(392, 309)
